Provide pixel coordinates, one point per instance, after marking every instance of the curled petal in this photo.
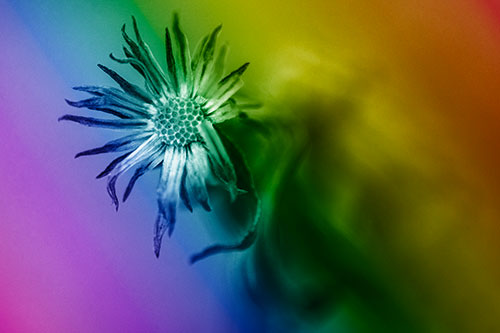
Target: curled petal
(112, 165)
(166, 217)
(148, 164)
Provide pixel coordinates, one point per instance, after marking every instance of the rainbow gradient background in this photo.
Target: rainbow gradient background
(398, 105)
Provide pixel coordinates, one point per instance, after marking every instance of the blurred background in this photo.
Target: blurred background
(375, 156)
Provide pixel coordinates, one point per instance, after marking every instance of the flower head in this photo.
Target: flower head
(169, 122)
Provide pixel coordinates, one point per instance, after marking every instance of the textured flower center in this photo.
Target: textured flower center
(177, 122)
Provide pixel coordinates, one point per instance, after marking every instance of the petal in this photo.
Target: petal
(139, 67)
(203, 62)
(174, 163)
(218, 157)
(142, 53)
(150, 60)
(213, 76)
(227, 111)
(172, 71)
(145, 151)
(247, 241)
(226, 88)
(121, 144)
(182, 58)
(121, 124)
(165, 220)
(145, 166)
(112, 190)
(252, 201)
(197, 55)
(112, 165)
(184, 192)
(128, 87)
(112, 99)
(197, 170)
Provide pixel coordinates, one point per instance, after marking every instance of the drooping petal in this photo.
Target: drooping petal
(164, 221)
(145, 151)
(226, 88)
(197, 170)
(124, 143)
(244, 244)
(112, 165)
(174, 164)
(252, 201)
(119, 124)
(184, 192)
(145, 166)
(218, 157)
(112, 190)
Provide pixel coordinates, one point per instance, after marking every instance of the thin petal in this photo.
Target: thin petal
(204, 63)
(121, 144)
(164, 221)
(197, 169)
(212, 77)
(112, 165)
(128, 87)
(149, 164)
(171, 176)
(152, 71)
(197, 55)
(145, 151)
(172, 71)
(221, 164)
(150, 59)
(138, 66)
(112, 99)
(227, 111)
(226, 88)
(244, 244)
(184, 192)
(182, 58)
(121, 124)
(112, 190)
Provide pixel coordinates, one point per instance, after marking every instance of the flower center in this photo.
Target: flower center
(177, 122)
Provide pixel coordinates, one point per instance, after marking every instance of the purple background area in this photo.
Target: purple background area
(68, 261)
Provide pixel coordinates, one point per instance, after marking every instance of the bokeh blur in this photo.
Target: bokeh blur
(375, 155)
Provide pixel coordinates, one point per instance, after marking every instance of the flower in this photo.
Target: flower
(169, 121)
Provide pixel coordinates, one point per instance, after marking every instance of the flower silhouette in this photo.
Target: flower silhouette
(169, 122)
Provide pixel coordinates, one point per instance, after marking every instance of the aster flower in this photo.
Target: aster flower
(169, 124)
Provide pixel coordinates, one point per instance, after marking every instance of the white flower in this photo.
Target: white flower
(170, 121)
